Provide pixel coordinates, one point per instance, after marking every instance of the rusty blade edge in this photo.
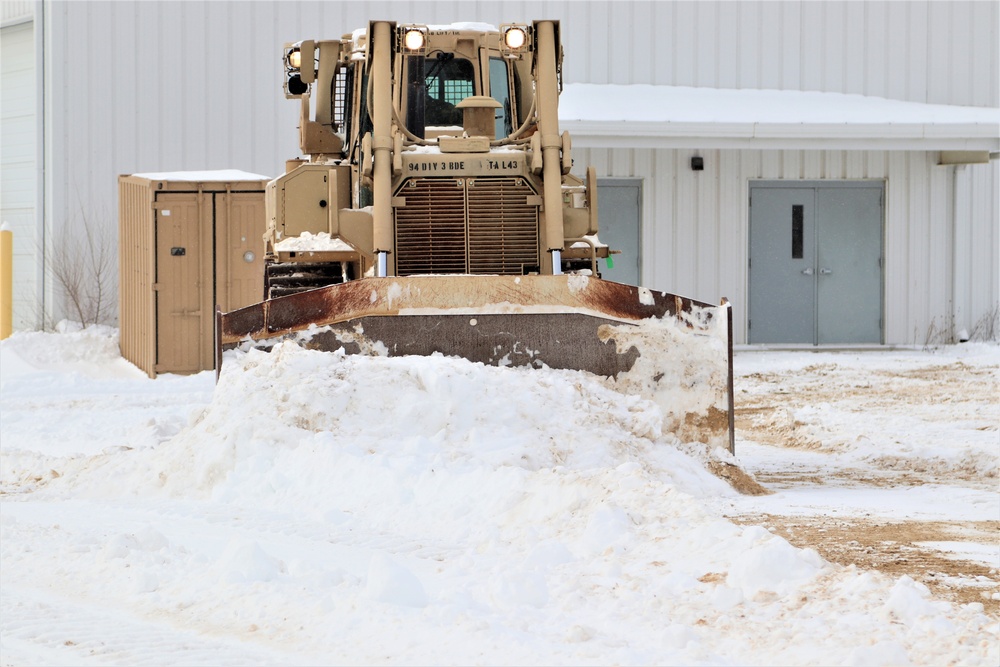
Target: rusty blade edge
(454, 294)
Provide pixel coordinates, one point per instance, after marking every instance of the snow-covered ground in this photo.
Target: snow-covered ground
(314, 508)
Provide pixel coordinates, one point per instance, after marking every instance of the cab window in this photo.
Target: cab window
(500, 91)
(449, 81)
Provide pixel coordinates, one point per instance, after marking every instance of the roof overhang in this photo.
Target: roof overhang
(643, 116)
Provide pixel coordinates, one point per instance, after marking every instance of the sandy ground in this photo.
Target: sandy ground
(929, 551)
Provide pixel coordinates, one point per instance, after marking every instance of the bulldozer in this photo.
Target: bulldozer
(435, 211)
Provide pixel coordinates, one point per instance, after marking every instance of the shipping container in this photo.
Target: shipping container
(188, 242)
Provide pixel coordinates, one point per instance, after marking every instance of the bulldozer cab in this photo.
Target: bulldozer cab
(454, 66)
(441, 67)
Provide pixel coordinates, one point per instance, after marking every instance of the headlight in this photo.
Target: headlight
(413, 39)
(515, 39)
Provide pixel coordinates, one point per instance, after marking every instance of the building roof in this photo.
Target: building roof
(644, 116)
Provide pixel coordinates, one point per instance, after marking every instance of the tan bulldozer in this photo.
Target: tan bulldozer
(436, 212)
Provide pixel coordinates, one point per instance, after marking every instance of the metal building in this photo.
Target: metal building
(829, 166)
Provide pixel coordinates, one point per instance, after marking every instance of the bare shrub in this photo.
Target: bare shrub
(987, 327)
(940, 333)
(84, 264)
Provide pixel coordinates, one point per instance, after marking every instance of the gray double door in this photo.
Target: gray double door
(815, 262)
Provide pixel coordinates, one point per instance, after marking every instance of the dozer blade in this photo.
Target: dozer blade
(664, 347)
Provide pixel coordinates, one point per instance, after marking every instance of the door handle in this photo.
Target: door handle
(807, 272)
(825, 272)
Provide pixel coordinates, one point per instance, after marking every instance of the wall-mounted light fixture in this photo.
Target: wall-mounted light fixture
(697, 163)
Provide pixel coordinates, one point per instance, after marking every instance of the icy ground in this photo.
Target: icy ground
(317, 509)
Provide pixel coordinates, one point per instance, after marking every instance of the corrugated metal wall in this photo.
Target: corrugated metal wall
(155, 86)
(179, 85)
(16, 11)
(694, 227)
(18, 166)
(937, 52)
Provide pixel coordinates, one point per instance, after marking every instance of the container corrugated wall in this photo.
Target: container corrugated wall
(137, 273)
(695, 227)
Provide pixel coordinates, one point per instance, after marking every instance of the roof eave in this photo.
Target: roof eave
(786, 136)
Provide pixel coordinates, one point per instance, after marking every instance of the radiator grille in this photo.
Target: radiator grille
(430, 229)
(466, 225)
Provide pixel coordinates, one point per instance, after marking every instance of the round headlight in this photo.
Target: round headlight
(413, 40)
(295, 59)
(515, 38)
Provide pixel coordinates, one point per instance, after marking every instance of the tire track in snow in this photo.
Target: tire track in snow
(37, 627)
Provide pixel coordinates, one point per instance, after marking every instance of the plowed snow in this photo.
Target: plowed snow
(315, 509)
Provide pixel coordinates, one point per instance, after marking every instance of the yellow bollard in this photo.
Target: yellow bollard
(6, 281)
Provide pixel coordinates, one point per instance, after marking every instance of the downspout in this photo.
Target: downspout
(960, 332)
(41, 128)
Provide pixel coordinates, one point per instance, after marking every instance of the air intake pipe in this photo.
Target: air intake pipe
(547, 101)
(380, 64)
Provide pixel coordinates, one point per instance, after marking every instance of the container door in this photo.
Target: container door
(782, 266)
(178, 284)
(239, 228)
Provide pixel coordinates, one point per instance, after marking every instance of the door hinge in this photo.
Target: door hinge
(749, 324)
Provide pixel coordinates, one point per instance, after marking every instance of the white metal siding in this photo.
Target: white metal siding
(934, 52)
(17, 166)
(158, 86)
(16, 11)
(695, 227)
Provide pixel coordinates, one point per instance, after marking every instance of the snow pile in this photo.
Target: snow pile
(684, 104)
(315, 242)
(317, 508)
(209, 176)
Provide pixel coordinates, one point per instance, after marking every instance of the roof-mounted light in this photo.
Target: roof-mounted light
(298, 59)
(515, 39)
(412, 39)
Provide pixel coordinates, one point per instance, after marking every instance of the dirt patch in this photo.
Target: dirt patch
(897, 549)
(829, 409)
(839, 412)
(738, 478)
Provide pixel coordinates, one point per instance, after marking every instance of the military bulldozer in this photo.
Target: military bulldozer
(436, 212)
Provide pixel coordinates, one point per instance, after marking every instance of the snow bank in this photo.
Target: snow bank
(486, 515)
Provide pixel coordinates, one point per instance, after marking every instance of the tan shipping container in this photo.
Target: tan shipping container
(188, 241)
